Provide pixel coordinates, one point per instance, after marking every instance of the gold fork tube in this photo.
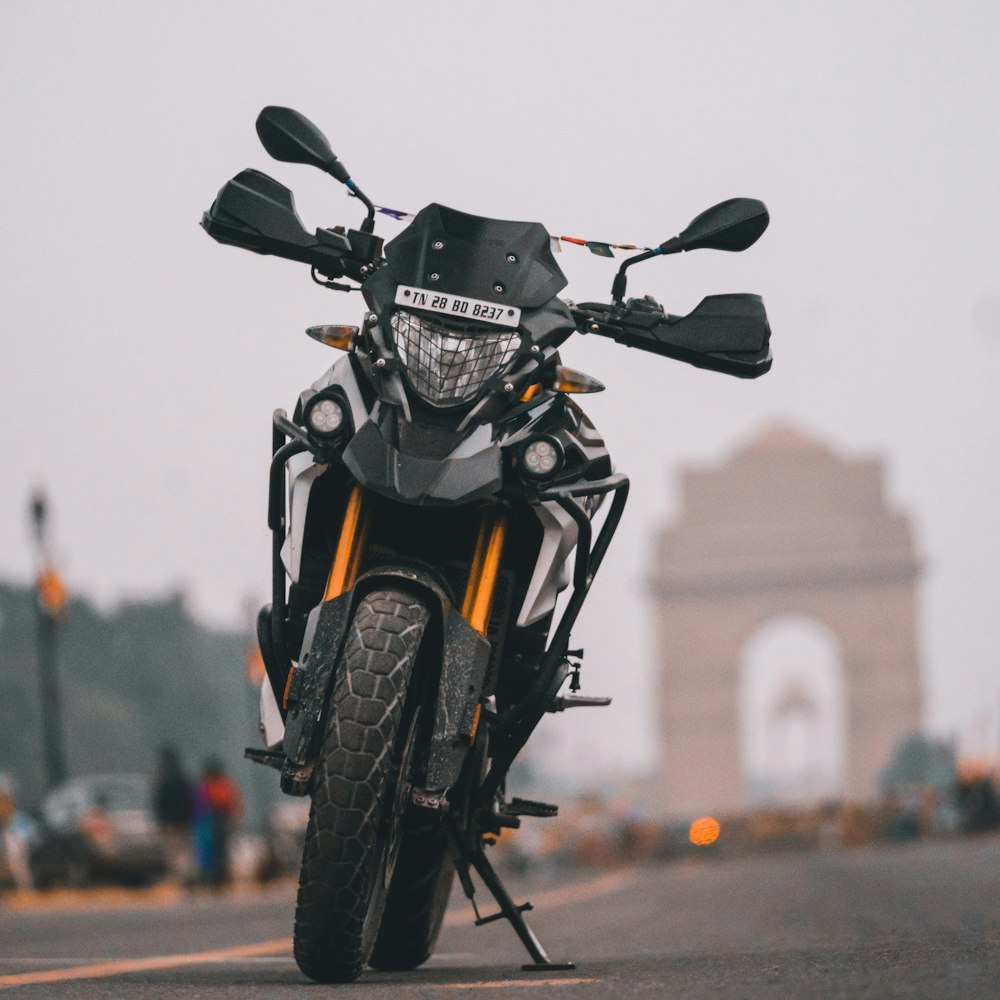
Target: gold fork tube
(347, 557)
(351, 544)
(478, 600)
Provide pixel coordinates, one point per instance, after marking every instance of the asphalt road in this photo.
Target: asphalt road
(915, 921)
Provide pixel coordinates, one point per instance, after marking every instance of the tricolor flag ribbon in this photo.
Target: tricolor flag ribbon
(395, 213)
(601, 249)
(594, 246)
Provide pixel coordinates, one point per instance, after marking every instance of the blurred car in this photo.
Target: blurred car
(99, 828)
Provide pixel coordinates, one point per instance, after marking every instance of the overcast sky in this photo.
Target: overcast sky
(141, 361)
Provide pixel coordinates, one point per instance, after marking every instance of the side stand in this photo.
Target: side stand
(509, 911)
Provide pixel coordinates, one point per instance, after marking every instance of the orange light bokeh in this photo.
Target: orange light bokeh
(255, 665)
(704, 831)
(52, 592)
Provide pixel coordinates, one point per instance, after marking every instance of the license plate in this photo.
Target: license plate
(458, 306)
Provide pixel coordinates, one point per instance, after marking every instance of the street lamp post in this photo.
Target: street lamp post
(51, 602)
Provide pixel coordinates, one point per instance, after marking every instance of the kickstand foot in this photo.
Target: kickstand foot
(514, 916)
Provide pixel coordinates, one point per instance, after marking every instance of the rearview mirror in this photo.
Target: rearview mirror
(289, 136)
(731, 225)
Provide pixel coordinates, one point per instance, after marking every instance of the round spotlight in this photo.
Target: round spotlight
(542, 458)
(324, 416)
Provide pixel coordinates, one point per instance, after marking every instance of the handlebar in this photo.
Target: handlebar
(724, 333)
(257, 213)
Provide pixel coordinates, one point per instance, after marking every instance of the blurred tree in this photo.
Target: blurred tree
(920, 760)
(141, 676)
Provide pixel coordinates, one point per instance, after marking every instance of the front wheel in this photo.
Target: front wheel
(354, 829)
(418, 897)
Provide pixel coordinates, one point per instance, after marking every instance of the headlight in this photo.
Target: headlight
(448, 365)
(541, 458)
(324, 416)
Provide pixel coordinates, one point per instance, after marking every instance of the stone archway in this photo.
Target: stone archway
(792, 713)
(785, 528)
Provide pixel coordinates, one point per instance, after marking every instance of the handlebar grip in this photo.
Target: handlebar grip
(724, 333)
(257, 213)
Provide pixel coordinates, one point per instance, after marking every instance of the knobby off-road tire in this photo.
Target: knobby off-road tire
(342, 886)
(417, 900)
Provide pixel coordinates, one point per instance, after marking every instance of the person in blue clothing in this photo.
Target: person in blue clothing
(218, 806)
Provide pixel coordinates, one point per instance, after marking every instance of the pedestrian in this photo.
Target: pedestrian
(218, 806)
(18, 834)
(173, 809)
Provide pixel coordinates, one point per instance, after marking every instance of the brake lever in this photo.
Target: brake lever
(595, 317)
(724, 333)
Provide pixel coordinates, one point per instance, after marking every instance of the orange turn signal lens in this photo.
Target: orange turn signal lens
(341, 337)
(568, 380)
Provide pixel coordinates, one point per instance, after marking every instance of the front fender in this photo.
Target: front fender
(463, 659)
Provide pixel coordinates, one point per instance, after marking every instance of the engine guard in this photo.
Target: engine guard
(463, 659)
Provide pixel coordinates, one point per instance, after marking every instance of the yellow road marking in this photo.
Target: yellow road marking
(497, 984)
(123, 966)
(160, 896)
(104, 898)
(603, 885)
(568, 895)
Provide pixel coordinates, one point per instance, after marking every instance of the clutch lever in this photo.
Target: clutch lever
(724, 333)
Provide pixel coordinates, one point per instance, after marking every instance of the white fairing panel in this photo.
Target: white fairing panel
(303, 472)
(551, 574)
(341, 373)
(270, 717)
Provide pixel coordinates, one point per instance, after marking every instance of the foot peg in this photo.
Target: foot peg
(525, 807)
(565, 701)
(269, 758)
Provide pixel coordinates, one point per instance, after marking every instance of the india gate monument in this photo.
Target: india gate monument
(786, 629)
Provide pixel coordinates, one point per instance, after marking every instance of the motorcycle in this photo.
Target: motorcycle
(431, 496)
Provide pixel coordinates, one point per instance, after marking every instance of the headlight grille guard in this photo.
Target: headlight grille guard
(446, 363)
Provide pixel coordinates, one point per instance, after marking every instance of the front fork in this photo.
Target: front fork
(476, 608)
(477, 601)
(351, 542)
(480, 587)
(346, 556)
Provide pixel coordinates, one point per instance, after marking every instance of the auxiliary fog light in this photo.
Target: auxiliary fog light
(324, 416)
(542, 457)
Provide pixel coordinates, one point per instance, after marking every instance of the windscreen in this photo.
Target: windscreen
(510, 263)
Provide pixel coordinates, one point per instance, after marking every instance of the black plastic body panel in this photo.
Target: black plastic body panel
(382, 467)
(311, 690)
(493, 259)
(724, 333)
(465, 656)
(256, 212)
(464, 659)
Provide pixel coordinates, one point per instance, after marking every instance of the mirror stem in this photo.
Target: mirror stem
(618, 286)
(672, 245)
(368, 226)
